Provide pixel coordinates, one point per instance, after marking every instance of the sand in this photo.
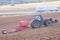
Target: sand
(43, 33)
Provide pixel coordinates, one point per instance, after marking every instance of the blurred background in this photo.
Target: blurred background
(13, 2)
(25, 6)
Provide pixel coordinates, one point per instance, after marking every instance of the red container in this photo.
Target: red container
(24, 23)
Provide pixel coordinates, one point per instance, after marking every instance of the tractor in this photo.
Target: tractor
(39, 21)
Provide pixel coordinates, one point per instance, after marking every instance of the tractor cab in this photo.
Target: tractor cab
(38, 17)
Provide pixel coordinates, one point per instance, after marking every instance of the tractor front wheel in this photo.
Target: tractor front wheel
(48, 23)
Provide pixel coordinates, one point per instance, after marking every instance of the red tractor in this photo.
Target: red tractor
(39, 21)
(36, 23)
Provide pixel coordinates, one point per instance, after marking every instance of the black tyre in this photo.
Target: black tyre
(56, 20)
(56, 10)
(48, 23)
(4, 32)
(36, 24)
(51, 10)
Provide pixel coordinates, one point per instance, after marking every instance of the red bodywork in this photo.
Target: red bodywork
(46, 18)
(23, 25)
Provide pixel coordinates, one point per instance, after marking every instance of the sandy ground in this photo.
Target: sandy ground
(43, 33)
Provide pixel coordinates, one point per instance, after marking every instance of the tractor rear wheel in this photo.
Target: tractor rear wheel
(48, 23)
(36, 24)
